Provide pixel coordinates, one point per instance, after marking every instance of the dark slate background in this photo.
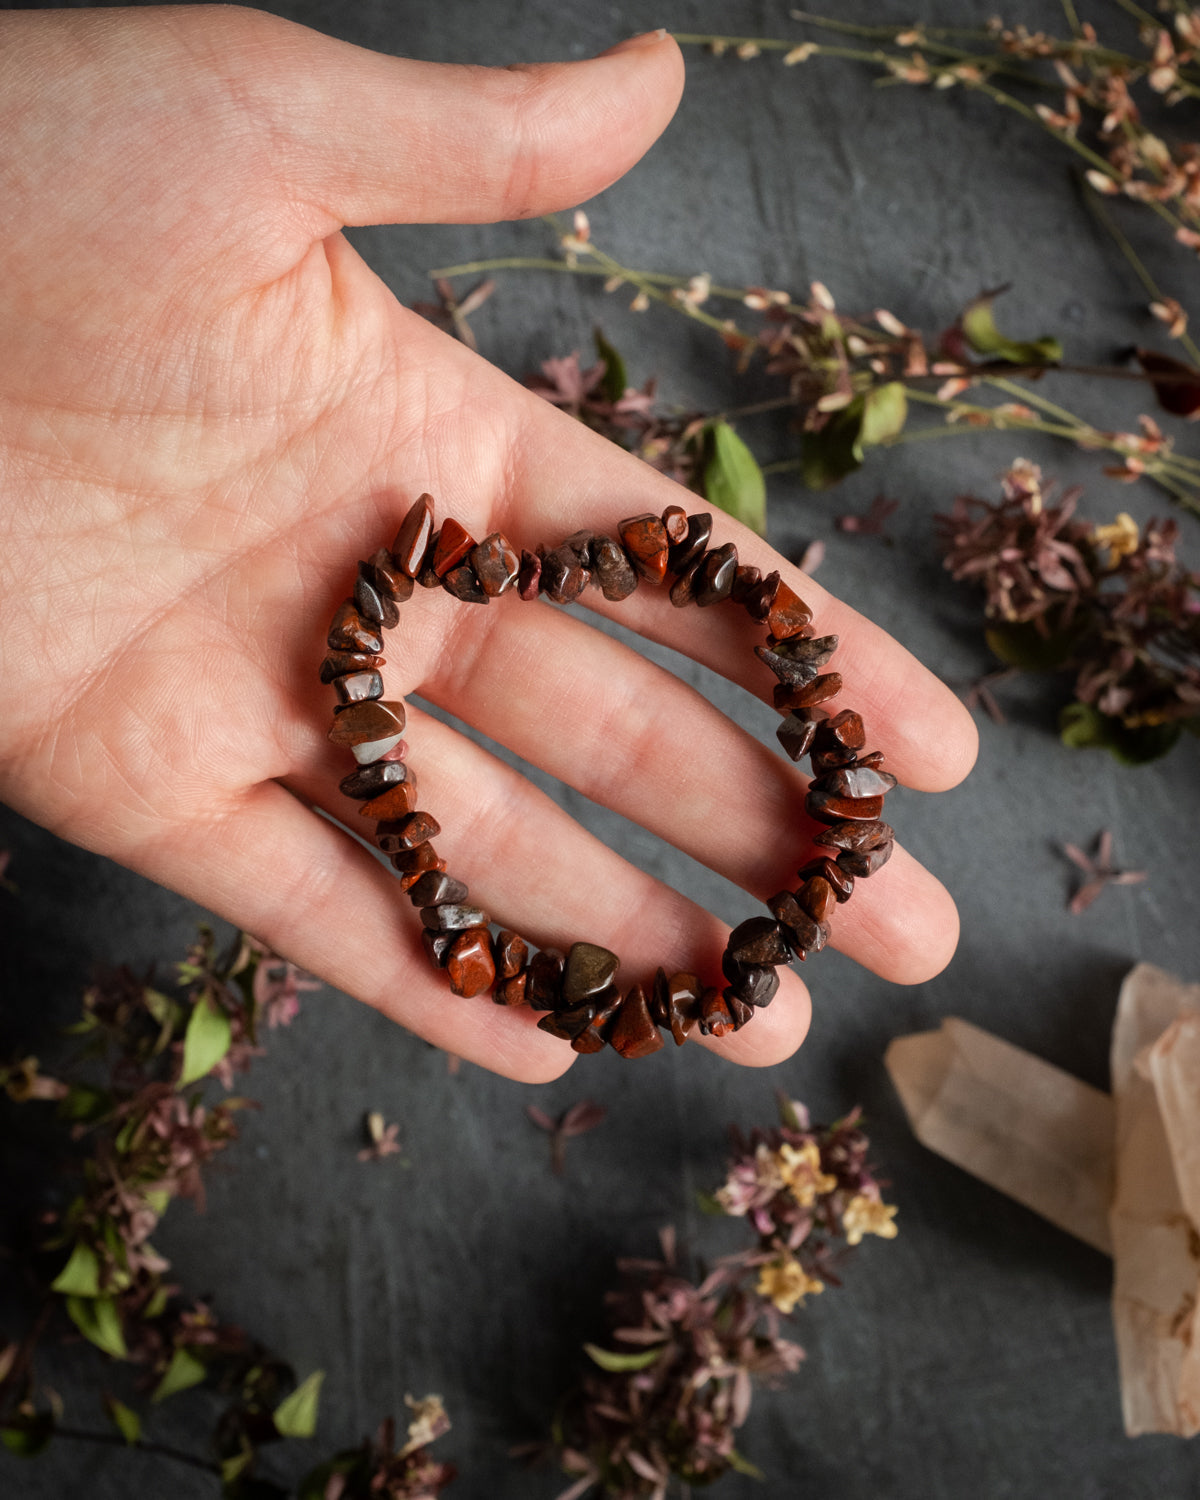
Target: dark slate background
(974, 1354)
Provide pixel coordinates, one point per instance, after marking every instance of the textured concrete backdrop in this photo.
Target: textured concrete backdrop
(974, 1355)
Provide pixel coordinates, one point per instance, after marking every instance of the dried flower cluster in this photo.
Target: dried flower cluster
(674, 1382)
(1110, 603)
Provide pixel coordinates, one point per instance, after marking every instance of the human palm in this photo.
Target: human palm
(210, 407)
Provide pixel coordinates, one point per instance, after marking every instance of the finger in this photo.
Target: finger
(535, 870)
(373, 139)
(631, 736)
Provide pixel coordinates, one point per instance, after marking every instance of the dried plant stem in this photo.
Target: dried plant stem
(115, 1440)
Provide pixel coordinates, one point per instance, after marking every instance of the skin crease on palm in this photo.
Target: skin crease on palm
(210, 408)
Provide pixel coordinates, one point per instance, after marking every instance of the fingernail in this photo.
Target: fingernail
(632, 43)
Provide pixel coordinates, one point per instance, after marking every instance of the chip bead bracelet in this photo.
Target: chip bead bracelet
(577, 989)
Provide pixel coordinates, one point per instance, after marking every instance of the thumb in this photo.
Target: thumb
(372, 139)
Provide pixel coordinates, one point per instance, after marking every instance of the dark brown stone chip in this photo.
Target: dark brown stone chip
(589, 969)
(796, 734)
(855, 835)
(818, 691)
(675, 523)
(358, 687)
(759, 597)
(339, 663)
(428, 577)
(570, 1023)
(843, 731)
(788, 614)
(407, 833)
(435, 888)
(646, 545)
(545, 979)
(715, 1016)
(616, 574)
(370, 781)
(564, 577)
(634, 1033)
(361, 723)
(714, 576)
(864, 862)
(348, 631)
(803, 934)
(511, 953)
(739, 1010)
(415, 862)
(818, 897)
(454, 916)
(856, 781)
(381, 571)
(511, 991)
(743, 581)
(497, 564)
(413, 538)
(683, 554)
(580, 543)
(756, 984)
(372, 604)
(396, 802)
(683, 590)
(453, 543)
(827, 869)
(757, 940)
(530, 577)
(827, 807)
(437, 946)
(469, 962)
(594, 1038)
(682, 1005)
(463, 584)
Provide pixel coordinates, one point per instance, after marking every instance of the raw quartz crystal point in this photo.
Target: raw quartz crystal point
(1121, 1172)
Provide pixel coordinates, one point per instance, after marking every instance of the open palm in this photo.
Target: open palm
(210, 408)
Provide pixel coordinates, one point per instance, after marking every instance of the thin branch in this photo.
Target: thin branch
(115, 1440)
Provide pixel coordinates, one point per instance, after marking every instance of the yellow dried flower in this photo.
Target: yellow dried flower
(1121, 538)
(868, 1216)
(785, 1282)
(800, 1169)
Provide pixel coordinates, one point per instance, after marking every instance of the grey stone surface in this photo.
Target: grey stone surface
(972, 1356)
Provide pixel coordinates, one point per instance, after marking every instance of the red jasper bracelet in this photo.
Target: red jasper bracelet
(577, 990)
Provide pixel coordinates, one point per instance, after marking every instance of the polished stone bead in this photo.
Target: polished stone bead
(358, 687)
(570, 1023)
(843, 731)
(634, 1033)
(813, 651)
(369, 729)
(646, 545)
(545, 979)
(564, 577)
(511, 991)
(407, 833)
(827, 869)
(453, 543)
(589, 969)
(436, 888)
(589, 1040)
(855, 835)
(683, 590)
(818, 897)
(614, 571)
(415, 862)
(428, 577)
(511, 953)
(787, 669)
(804, 935)
(715, 1017)
(797, 732)
(864, 862)
(497, 564)
(828, 807)
(757, 940)
(683, 554)
(831, 759)
(714, 576)
(463, 584)
(372, 604)
(759, 597)
(469, 962)
(381, 571)
(739, 1010)
(580, 543)
(604, 1011)
(373, 780)
(529, 579)
(348, 631)
(339, 663)
(756, 984)
(855, 781)
(788, 614)
(437, 946)
(397, 802)
(413, 538)
(675, 524)
(819, 691)
(682, 1005)
(454, 916)
(743, 581)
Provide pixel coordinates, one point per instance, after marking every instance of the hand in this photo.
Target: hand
(210, 408)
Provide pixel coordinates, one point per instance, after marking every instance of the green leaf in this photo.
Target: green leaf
(158, 1200)
(233, 1468)
(80, 1277)
(826, 457)
(206, 1041)
(84, 1104)
(709, 1203)
(612, 387)
(980, 331)
(100, 1322)
(617, 1363)
(161, 1007)
(296, 1416)
(184, 1371)
(733, 480)
(1024, 646)
(885, 411)
(157, 1304)
(743, 1465)
(127, 1422)
(1084, 727)
(28, 1436)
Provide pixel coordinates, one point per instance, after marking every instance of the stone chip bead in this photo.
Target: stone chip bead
(545, 979)
(469, 962)
(385, 577)
(340, 663)
(453, 916)
(864, 847)
(634, 1033)
(413, 538)
(371, 602)
(675, 1003)
(798, 659)
(407, 833)
(436, 888)
(857, 780)
(716, 1019)
(683, 554)
(358, 687)
(647, 545)
(453, 543)
(348, 631)
(511, 953)
(373, 780)
(798, 731)
(715, 575)
(787, 614)
(564, 577)
(463, 585)
(820, 690)
(369, 730)
(818, 897)
(437, 946)
(757, 940)
(827, 869)
(496, 563)
(594, 1037)
(828, 807)
(589, 971)
(614, 572)
(804, 935)
(675, 523)
(411, 864)
(529, 580)
(396, 802)
(755, 984)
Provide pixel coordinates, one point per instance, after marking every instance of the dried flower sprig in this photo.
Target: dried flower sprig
(674, 1379)
(148, 1133)
(1109, 603)
(1099, 870)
